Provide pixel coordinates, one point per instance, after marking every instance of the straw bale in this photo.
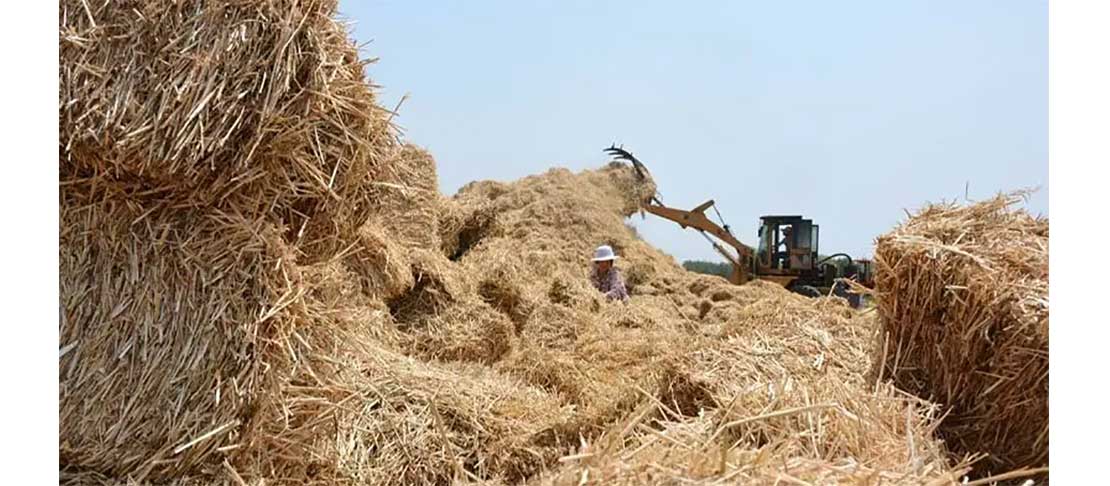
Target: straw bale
(193, 346)
(168, 318)
(259, 107)
(384, 268)
(963, 294)
(408, 203)
(338, 298)
(433, 287)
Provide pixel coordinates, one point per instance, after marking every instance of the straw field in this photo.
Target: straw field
(261, 284)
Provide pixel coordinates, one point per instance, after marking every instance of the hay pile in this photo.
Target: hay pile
(964, 301)
(694, 379)
(259, 283)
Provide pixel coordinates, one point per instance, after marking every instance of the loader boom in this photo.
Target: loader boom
(695, 218)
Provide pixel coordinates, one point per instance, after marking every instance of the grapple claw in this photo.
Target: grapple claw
(619, 153)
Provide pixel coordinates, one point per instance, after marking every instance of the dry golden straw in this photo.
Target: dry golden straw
(964, 302)
(260, 284)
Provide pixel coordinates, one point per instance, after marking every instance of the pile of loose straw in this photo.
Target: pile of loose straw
(695, 378)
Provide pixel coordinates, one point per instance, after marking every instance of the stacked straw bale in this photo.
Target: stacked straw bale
(163, 340)
(964, 304)
(256, 107)
(210, 154)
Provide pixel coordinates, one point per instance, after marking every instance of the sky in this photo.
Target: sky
(850, 112)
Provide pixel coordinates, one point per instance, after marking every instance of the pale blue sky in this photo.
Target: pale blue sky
(847, 112)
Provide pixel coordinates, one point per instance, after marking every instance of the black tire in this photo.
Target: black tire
(806, 290)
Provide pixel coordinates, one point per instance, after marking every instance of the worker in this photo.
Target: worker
(787, 243)
(605, 277)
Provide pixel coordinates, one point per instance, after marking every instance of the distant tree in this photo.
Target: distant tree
(724, 269)
(710, 268)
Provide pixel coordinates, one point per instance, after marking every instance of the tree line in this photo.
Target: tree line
(725, 269)
(710, 268)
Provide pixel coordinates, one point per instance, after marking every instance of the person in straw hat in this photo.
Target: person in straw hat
(605, 278)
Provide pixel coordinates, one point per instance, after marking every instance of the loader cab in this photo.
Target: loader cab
(787, 245)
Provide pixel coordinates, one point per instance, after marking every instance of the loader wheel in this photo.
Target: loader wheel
(806, 290)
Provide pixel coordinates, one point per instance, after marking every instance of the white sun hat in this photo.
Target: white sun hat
(604, 253)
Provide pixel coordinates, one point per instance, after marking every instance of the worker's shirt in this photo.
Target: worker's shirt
(610, 284)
